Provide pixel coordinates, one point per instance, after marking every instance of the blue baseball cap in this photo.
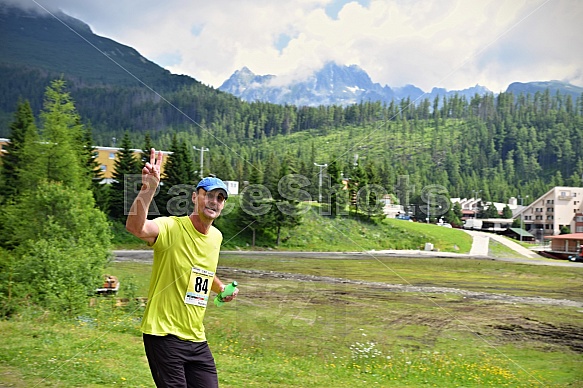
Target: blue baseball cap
(211, 183)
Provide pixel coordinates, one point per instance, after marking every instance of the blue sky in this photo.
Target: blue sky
(452, 44)
(333, 8)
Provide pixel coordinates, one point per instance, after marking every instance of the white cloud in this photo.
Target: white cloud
(453, 44)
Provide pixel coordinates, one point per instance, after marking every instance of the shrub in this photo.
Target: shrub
(59, 248)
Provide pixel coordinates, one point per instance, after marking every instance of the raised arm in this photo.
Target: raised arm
(137, 222)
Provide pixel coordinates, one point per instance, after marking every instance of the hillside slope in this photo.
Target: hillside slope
(324, 234)
(113, 86)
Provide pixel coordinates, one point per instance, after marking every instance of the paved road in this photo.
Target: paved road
(480, 243)
(482, 240)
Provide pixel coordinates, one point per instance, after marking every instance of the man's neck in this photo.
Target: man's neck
(200, 224)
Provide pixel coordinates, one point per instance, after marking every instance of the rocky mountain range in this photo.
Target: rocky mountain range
(336, 84)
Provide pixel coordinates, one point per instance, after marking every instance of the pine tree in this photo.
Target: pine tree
(335, 194)
(19, 156)
(126, 180)
(255, 204)
(148, 145)
(93, 168)
(357, 180)
(178, 181)
(370, 195)
(491, 212)
(94, 172)
(62, 133)
(271, 172)
(454, 214)
(224, 167)
(288, 197)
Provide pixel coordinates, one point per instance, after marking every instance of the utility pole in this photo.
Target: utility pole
(202, 150)
(428, 207)
(320, 180)
(521, 216)
(476, 192)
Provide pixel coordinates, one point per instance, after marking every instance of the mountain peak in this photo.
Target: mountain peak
(553, 87)
(14, 13)
(245, 82)
(245, 71)
(332, 84)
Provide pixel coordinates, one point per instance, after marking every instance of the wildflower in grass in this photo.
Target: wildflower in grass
(365, 356)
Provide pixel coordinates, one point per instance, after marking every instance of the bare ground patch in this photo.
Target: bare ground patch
(528, 329)
(503, 298)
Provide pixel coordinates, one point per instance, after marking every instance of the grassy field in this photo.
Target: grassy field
(291, 332)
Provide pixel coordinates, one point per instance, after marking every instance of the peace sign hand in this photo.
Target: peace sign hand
(151, 171)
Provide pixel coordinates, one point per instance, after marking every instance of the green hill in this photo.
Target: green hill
(65, 45)
(114, 87)
(319, 233)
(325, 234)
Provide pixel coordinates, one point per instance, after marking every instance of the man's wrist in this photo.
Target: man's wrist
(148, 187)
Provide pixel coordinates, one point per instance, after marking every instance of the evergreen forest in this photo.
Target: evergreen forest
(498, 145)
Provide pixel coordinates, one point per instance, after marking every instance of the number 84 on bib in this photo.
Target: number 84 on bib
(199, 286)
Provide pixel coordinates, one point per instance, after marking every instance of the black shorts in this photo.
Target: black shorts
(176, 363)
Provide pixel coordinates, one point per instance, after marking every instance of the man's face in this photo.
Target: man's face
(209, 204)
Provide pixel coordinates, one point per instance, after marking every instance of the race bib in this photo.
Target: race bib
(199, 287)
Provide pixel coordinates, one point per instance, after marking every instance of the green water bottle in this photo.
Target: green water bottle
(229, 290)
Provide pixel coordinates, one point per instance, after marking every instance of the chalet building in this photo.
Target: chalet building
(564, 245)
(106, 158)
(390, 209)
(472, 206)
(578, 223)
(561, 206)
(519, 234)
(3, 142)
(469, 206)
(232, 187)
